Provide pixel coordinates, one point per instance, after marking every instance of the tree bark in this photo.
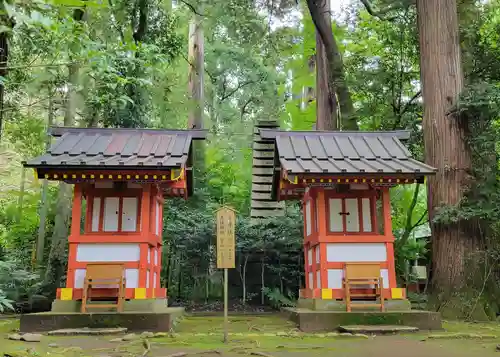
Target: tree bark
(196, 58)
(444, 139)
(320, 14)
(196, 71)
(326, 101)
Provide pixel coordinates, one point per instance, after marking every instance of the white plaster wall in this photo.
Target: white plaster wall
(154, 281)
(384, 273)
(156, 257)
(129, 214)
(366, 211)
(356, 252)
(111, 214)
(310, 256)
(96, 209)
(311, 281)
(335, 277)
(352, 219)
(335, 207)
(79, 278)
(108, 252)
(132, 278)
(317, 254)
(147, 279)
(308, 217)
(318, 280)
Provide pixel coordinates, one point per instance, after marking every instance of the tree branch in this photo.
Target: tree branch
(405, 109)
(381, 14)
(238, 87)
(193, 9)
(420, 220)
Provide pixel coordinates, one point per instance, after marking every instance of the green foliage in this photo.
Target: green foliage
(277, 299)
(5, 303)
(16, 283)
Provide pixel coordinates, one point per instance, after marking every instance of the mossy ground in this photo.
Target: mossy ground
(272, 335)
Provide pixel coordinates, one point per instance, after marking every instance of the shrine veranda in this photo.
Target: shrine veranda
(122, 178)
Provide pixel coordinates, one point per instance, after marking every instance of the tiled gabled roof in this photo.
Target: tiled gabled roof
(344, 153)
(117, 148)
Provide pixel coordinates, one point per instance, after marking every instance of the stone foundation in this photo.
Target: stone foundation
(309, 320)
(136, 305)
(133, 321)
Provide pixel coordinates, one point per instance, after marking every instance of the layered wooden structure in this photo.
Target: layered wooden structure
(121, 178)
(343, 180)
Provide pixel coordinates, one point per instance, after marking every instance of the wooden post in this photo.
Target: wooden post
(226, 219)
(226, 327)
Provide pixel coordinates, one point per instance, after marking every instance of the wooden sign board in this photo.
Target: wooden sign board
(226, 220)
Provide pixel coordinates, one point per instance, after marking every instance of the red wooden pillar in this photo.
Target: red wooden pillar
(76, 213)
(306, 264)
(321, 216)
(160, 245)
(386, 211)
(145, 232)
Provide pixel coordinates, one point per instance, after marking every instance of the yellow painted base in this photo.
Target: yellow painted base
(66, 294)
(140, 293)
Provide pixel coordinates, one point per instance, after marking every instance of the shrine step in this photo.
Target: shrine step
(88, 331)
(377, 329)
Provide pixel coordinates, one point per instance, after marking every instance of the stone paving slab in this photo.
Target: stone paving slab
(87, 331)
(377, 329)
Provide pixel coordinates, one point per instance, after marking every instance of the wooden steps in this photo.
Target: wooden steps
(263, 205)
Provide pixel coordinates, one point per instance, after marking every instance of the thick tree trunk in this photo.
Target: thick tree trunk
(326, 101)
(196, 58)
(444, 139)
(320, 14)
(196, 73)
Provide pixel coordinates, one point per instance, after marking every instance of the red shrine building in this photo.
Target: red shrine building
(121, 178)
(343, 180)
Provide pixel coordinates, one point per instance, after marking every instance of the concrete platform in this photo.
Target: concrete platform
(377, 329)
(308, 320)
(132, 321)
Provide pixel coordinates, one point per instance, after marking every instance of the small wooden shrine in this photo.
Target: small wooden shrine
(121, 178)
(343, 180)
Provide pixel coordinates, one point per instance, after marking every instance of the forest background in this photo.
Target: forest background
(123, 63)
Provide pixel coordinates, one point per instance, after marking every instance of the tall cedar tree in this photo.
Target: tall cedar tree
(445, 143)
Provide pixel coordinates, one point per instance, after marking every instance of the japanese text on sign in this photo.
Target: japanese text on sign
(226, 218)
